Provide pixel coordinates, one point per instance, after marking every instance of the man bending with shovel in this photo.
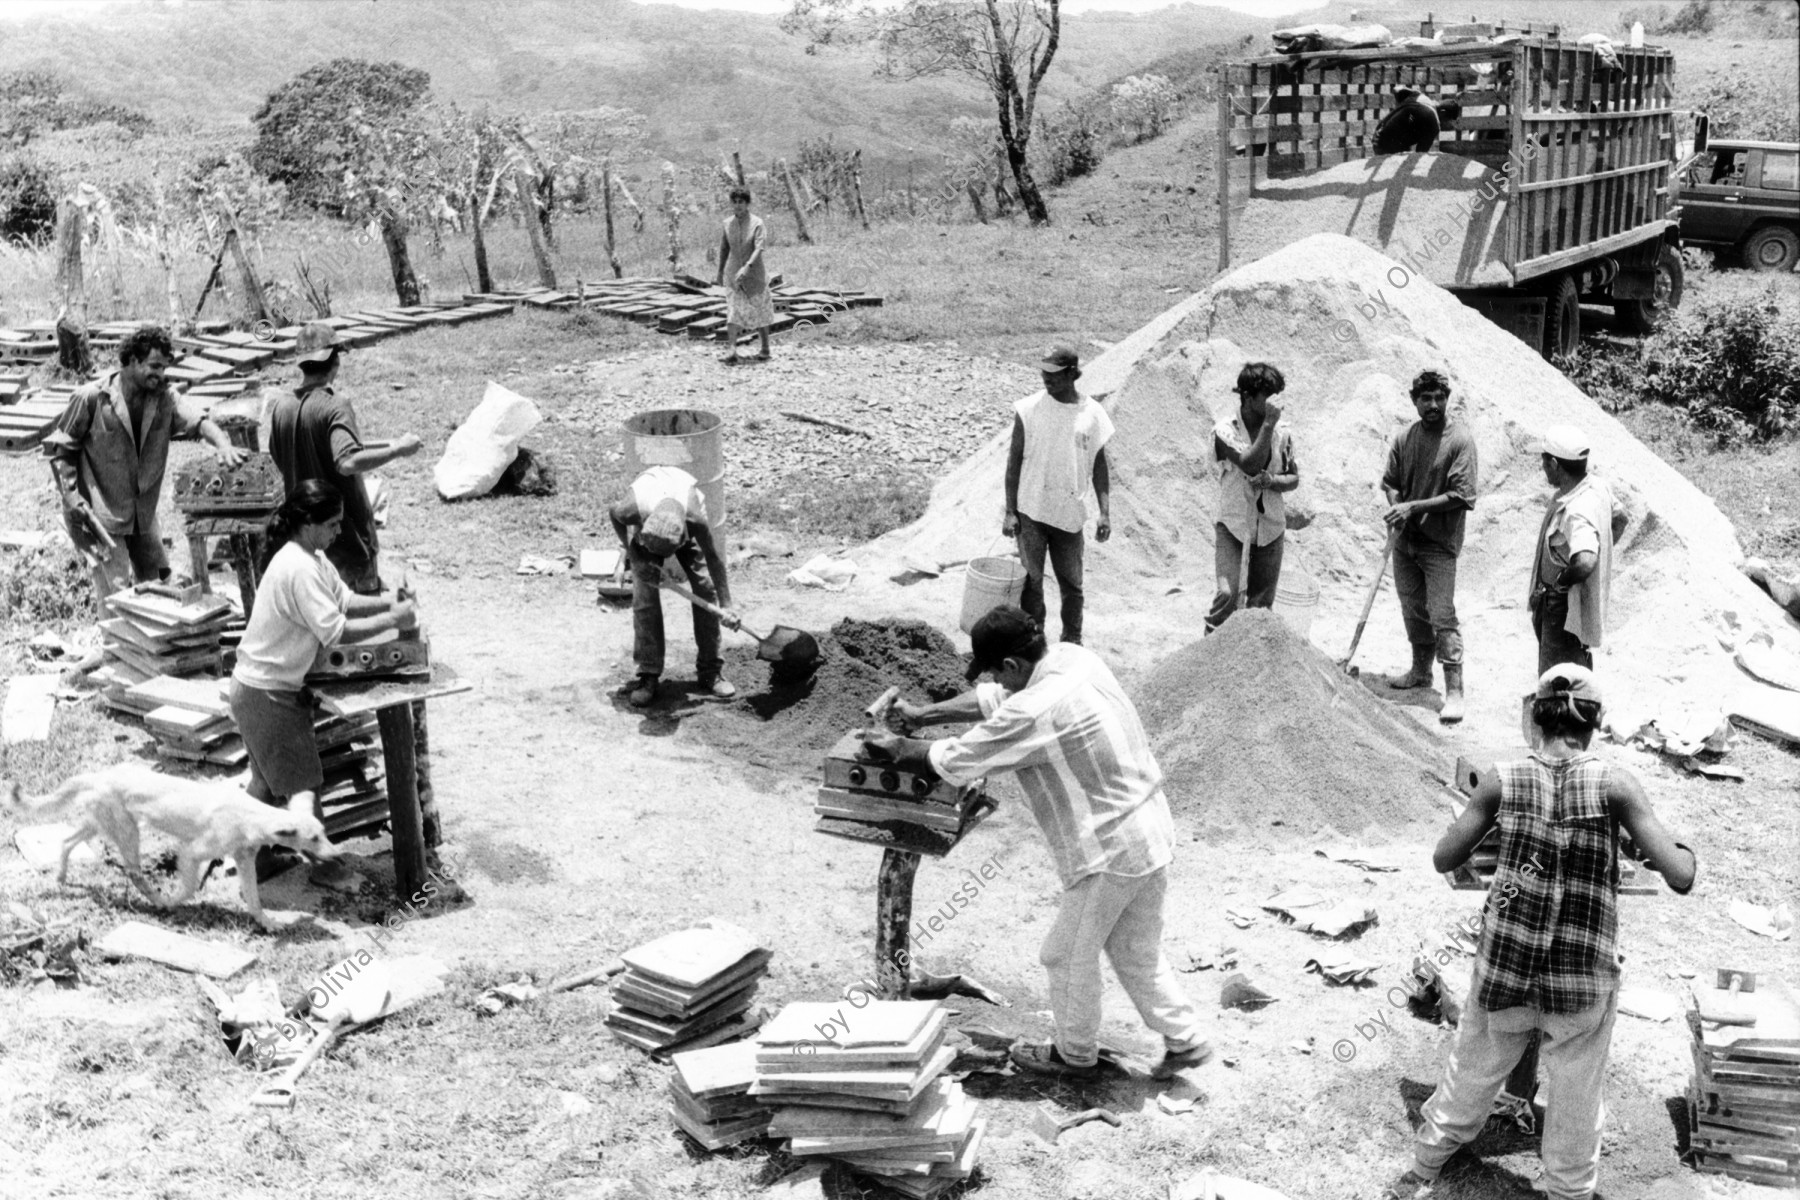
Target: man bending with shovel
(663, 515)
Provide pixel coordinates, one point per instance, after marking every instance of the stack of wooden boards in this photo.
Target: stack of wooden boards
(211, 359)
(866, 1086)
(865, 800)
(1744, 1102)
(710, 1098)
(696, 308)
(153, 632)
(192, 722)
(688, 989)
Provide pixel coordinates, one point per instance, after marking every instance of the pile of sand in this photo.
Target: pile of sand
(1259, 734)
(1350, 329)
(784, 719)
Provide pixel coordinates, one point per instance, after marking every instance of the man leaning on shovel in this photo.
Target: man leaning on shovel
(662, 516)
(1430, 488)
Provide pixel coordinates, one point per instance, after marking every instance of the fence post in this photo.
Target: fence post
(856, 186)
(672, 215)
(787, 178)
(534, 227)
(606, 191)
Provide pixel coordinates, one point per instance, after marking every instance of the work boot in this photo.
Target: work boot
(1420, 675)
(643, 691)
(717, 687)
(1452, 712)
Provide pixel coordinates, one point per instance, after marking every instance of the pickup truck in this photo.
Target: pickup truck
(1742, 200)
(1551, 186)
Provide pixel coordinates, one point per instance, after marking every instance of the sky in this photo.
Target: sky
(1256, 8)
(1259, 8)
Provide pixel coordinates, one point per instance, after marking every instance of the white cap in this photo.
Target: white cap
(1565, 442)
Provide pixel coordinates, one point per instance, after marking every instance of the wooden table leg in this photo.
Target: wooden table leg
(1523, 1080)
(893, 923)
(197, 554)
(400, 753)
(243, 565)
(428, 810)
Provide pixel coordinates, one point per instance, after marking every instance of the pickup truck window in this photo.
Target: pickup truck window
(1727, 168)
(1781, 170)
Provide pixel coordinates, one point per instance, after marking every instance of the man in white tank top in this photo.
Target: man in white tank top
(1058, 450)
(664, 516)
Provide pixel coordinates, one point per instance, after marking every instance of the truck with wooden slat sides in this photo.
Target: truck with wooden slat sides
(1549, 188)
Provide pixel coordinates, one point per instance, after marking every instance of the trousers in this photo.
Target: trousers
(1573, 1058)
(1064, 549)
(1556, 645)
(647, 614)
(1425, 582)
(1121, 915)
(1265, 574)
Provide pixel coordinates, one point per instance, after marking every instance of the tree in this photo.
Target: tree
(316, 122)
(1007, 45)
(565, 145)
(358, 140)
(27, 202)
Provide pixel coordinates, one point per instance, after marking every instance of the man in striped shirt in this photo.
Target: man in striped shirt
(1058, 719)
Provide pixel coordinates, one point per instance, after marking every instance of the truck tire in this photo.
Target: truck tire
(1771, 248)
(1645, 314)
(1562, 318)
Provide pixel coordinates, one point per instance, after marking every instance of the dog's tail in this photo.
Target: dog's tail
(11, 797)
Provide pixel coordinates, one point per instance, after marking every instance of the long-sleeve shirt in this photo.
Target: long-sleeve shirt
(120, 470)
(1083, 761)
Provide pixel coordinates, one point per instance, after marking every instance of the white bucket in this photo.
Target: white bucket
(1297, 599)
(989, 582)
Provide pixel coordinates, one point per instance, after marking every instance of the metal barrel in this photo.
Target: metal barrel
(688, 438)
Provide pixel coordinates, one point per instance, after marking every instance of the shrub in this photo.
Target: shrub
(27, 202)
(1696, 16)
(45, 586)
(1070, 146)
(1732, 367)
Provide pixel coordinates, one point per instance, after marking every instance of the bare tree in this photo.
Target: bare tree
(1008, 45)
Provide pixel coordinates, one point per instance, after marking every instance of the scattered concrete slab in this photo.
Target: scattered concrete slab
(30, 708)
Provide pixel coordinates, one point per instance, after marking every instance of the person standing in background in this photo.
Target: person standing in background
(742, 272)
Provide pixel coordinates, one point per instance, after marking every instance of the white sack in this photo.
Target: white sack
(483, 446)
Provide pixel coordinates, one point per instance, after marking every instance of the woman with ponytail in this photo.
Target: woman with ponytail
(1548, 963)
(301, 606)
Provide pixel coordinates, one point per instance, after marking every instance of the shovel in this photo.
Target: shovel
(1387, 552)
(783, 644)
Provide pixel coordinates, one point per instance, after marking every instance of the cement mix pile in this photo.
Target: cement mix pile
(1262, 737)
(1350, 328)
(789, 719)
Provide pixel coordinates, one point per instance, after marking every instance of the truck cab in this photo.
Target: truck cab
(1741, 199)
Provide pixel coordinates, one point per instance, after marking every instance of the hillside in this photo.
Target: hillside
(706, 80)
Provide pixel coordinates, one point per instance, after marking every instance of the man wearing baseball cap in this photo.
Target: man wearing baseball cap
(1058, 450)
(1548, 963)
(1571, 575)
(313, 434)
(1058, 719)
(664, 516)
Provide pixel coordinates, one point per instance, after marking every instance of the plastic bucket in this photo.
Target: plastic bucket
(989, 582)
(1297, 599)
(681, 437)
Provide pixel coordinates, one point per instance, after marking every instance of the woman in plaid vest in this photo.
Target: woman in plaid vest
(1547, 961)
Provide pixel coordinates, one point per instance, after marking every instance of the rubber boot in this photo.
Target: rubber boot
(1420, 675)
(1452, 712)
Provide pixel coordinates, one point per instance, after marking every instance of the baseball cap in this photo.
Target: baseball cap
(1001, 633)
(1060, 358)
(1565, 442)
(1571, 680)
(317, 342)
(664, 528)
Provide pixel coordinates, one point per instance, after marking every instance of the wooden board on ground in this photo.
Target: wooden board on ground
(135, 939)
(30, 708)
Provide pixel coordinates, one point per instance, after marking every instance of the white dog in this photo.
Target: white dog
(209, 820)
